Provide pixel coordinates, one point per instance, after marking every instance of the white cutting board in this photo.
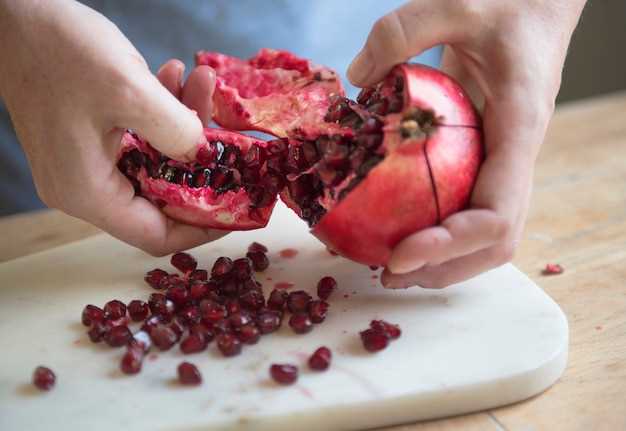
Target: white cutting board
(489, 341)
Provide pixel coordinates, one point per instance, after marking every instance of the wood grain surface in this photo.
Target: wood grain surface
(577, 218)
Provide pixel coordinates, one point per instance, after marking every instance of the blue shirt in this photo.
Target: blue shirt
(329, 32)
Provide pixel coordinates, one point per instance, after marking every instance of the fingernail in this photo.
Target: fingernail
(360, 68)
(402, 266)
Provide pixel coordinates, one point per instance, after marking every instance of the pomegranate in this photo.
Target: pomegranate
(363, 174)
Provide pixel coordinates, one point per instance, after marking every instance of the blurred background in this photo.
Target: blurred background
(596, 65)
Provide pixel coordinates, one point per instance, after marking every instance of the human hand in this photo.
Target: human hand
(509, 56)
(73, 84)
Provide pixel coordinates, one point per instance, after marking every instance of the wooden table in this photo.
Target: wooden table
(577, 218)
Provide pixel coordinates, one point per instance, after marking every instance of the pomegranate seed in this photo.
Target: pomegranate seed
(178, 330)
(277, 299)
(229, 287)
(132, 360)
(221, 267)
(298, 301)
(188, 374)
(373, 340)
(552, 269)
(389, 329)
(300, 323)
(141, 340)
(268, 322)
(242, 268)
(193, 344)
(179, 295)
(212, 312)
(92, 314)
(252, 300)
(118, 336)
(189, 315)
(150, 324)
(239, 319)
(43, 378)
(260, 262)
(325, 287)
(114, 310)
(163, 337)
(320, 359)
(318, 310)
(255, 246)
(199, 275)
(138, 310)
(154, 277)
(221, 327)
(228, 344)
(170, 281)
(206, 155)
(285, 374)
(203, 331)
(184, 262)
(249, 334)
(199, 290)
(232, 306)
(161, 306)
(97, 332)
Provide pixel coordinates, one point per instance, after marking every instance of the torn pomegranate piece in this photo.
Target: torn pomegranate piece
(363, 174)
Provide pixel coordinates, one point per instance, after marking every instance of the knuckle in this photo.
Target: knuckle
(502, 253)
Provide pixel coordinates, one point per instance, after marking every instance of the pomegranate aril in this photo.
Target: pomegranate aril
(206, 155)
(252, 300)
(201, 330)
(268, 322)
(114, 310)
(211, 311)
(552, 269)
(198, 290)
(221, 327)
(391, 330)
(242, 268)
(97, 332)
(199, 275)
(259, 260)
(257, 247)
(200, 178)
(365, 95)
(320, 359)
(300, 323)
(221, 267)
(150, 324)
(184, 262)
(154, 277)
(138, 310)
(163, 337)
(277, 299)
(248, 334)
(189, 315)
(92, 314)
(371, 125)
(228, 344)
(318, 310)
(325, 287)
(188, 374)
(298, 301)
(141, 340)
(179, 295)
(132, 360)
(285, 374)
(177, 328)
(43, 378)
(193, 344)
(118, 336)
(239, 319)
(373, 340)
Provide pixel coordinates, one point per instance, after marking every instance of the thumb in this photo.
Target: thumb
(400, 35)
(164, 121)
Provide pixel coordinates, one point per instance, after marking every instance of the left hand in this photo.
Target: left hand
(510, 55)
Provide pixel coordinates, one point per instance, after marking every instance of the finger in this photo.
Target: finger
(162, 120)
(138, 222)
(400, 35)
(171, 76)
(197, 94)
(451, 272)
(460, 234)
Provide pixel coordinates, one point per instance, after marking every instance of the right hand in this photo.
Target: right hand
(73, 84)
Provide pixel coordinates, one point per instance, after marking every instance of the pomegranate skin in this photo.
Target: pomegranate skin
(423, 178)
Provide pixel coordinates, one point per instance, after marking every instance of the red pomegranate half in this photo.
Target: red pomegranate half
(364, 174)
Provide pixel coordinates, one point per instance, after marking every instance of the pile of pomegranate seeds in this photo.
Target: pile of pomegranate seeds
(194, 307)
(552, 269)
(43, 378)
(378, 335)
